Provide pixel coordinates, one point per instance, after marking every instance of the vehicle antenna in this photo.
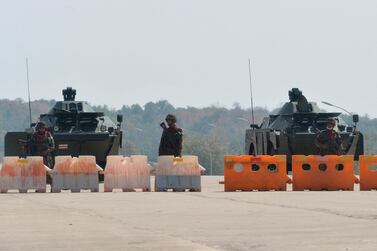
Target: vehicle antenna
(329, 104)
(28, 88)
(251, 95)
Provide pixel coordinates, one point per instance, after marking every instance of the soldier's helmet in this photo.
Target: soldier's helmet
(171, 117)
(331, 121)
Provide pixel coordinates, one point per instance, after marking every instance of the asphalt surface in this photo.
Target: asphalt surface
(210, 220)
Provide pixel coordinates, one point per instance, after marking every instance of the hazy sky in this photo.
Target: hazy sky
(192, 53)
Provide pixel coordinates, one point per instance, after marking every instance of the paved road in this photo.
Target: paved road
(211, 220)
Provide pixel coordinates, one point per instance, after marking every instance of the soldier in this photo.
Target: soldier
(172, 137)
(328, 141)
(42, 144)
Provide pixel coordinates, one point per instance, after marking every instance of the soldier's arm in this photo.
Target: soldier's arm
(320, 143)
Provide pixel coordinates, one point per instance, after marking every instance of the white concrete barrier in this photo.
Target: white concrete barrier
(23, 174)
(178, 174)
(127, 173)
(75, 173)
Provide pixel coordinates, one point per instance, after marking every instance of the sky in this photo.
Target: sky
(191, 53)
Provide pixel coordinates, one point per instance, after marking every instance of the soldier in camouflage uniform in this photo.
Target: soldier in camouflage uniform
(42, 144)
(328, 141)
(172, 137)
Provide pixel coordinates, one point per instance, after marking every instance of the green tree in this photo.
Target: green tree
(209, 151)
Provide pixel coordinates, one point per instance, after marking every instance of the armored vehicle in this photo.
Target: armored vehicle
(77, 130)
(293, 128)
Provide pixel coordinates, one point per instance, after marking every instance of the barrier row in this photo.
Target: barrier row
(78, 173)
(330, 172)
(245, 173)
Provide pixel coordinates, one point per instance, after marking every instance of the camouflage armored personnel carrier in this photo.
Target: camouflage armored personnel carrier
(77, 130)
(292, 130)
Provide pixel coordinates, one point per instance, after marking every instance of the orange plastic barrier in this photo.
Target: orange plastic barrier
(368, 176)
(248, 173)
(316, 173)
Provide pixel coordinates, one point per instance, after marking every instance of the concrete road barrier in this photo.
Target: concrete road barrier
(127, 173)
(23, 174)
(75, 173)
(178, 174)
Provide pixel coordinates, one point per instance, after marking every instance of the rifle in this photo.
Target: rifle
(163, 125)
